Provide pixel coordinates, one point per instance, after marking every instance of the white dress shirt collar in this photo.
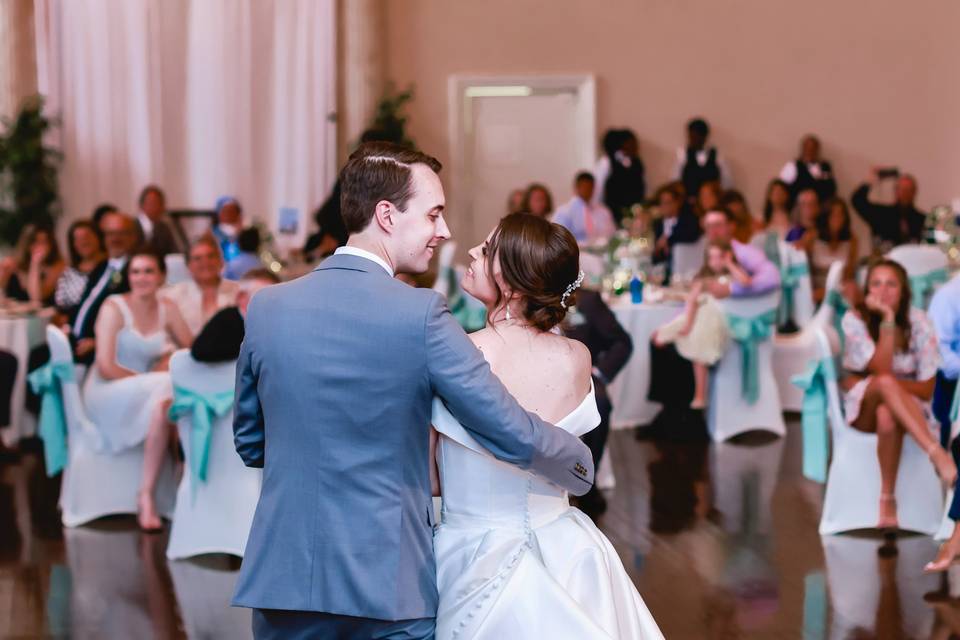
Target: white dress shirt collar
(146, 224)
(362, 253)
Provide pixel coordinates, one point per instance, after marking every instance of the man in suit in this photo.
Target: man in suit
(338, 371)
(593, 323)
(120, 238)
(677, 223)
(154, 227)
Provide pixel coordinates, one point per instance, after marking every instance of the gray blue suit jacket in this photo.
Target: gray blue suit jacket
(335, 381)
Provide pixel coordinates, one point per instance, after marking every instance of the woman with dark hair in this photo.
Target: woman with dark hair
(745, 224)
(85, 246)
(128, 383)
(891, 355)
(537, 201)
(776, 208)
(526, 272)
(31, 274)
(830, 242)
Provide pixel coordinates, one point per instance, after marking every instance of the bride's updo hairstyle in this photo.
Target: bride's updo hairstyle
(538, 261)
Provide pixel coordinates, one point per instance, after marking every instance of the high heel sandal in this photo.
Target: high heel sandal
(945, 557)
(946, 468)
(888, 524)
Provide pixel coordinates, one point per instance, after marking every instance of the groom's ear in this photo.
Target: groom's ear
(385, 216)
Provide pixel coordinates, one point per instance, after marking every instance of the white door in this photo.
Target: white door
(508, 141)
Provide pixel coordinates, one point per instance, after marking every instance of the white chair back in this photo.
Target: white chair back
(97, 483)
(176, 268)
(687, 258)
(803, 306)
(213, 516)
(918, 259)
(729, 413)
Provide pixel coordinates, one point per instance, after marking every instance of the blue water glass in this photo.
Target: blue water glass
(636, 290)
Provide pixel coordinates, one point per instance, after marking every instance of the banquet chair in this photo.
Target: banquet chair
(98, 483)
(792, 352)
(796, 269)
(730, 412)
(687, 258)
(855, 586)
(176, 268)
(853, 479)
(926, 266)
(215, 515)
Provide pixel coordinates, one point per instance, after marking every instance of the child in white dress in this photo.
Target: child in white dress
(701, 333)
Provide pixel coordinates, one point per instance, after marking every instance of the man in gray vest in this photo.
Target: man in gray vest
(335, 381)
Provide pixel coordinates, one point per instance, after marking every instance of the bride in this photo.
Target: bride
(514, 560)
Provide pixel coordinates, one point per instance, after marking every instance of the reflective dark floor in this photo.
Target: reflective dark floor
(721, 541)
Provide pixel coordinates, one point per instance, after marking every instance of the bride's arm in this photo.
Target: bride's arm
(434, 472)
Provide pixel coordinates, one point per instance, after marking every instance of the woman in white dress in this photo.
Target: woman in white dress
(514, 559)
(129, 382)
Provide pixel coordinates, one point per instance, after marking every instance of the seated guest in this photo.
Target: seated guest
(31, 274)
(100, 211)
(515, 201)
(228, 226)
(129, 382)
(810, 171)
(676, 224)
(945, 315)
(110, 277)
(221, 336)
(625, 185)
(891, 224)
(734, 202)
(776, 208)
(593, 323)
(86, 254)
(206, 292)
(890, 353)
(708, 198)
(831, 242)
(698, 163)
(808, 210)
(587, 222)
(153, 224)
(537, 201)
(719, 228)
(249, 257)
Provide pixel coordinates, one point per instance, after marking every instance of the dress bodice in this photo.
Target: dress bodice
(479, 489)
(136, 351)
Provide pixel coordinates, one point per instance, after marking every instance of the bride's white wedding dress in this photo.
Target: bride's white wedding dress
(515, 560)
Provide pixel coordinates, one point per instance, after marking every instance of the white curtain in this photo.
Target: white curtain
(204, 97)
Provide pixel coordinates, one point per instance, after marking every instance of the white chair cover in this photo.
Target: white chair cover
(803, 307)
(212, 516)
(687, 258)
(96, 483)
(855, 585)
(729, 414)
(853, 481)
(203, 593)
(176, 268)
(792, 352)
(919, 260)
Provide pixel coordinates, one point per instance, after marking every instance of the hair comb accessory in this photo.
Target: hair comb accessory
(573, 286)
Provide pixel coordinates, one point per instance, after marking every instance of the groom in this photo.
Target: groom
(335, 382)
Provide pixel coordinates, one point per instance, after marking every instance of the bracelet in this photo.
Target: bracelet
(888, 324)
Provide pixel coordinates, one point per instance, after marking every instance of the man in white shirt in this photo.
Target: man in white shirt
(587, 222)
(697, 163)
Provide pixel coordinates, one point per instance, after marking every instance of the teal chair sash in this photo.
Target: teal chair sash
(46, 382)
(749, 333)
(840, 307)
(789, 280)
(923, 284)
(203, 409)
(814, 418)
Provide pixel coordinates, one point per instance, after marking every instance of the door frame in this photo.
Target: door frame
(462, 89)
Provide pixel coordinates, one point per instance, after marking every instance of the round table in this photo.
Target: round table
(628, 393)
(19, 333)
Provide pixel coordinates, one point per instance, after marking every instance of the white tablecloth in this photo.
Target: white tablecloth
(18, 335)
(628, 393)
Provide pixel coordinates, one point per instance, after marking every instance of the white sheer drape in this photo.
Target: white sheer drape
(202, 97)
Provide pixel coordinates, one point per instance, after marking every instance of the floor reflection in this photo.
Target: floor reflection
(721, 541)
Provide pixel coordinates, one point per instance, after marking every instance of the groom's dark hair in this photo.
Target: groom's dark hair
(377, 171)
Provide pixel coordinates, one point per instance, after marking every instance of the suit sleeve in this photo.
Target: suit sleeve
(248, 432)
(478, 400)
(863, 205)
(616, 344)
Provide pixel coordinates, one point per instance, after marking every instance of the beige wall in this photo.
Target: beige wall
(878, 81)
